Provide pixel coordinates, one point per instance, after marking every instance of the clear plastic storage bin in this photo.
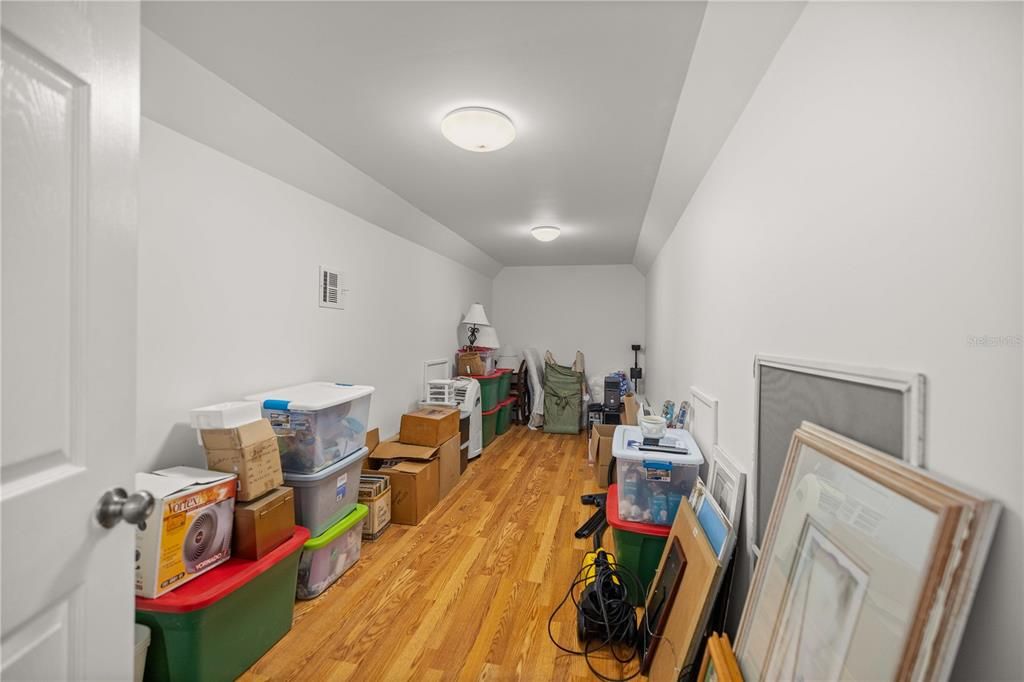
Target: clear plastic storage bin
(317, 423)
(324, 498)
(325, 558)
(652, 485)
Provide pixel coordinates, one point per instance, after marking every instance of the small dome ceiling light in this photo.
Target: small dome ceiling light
(478, 129)
(545, 233)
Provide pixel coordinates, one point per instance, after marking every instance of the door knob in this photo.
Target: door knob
(117, 505)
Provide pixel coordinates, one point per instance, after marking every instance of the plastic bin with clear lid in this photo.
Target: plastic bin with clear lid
(317, 423)
(652, 485)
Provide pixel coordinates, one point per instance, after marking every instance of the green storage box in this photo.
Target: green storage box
(489, 384)
(490, 426)
(504, 385)
(215, 627)
(638, 546)
(504, 416)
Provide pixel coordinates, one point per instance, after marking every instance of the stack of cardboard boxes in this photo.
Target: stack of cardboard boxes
(422, 464)
(265, 510)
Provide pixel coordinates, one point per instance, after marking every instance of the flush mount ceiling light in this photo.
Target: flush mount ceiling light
(545, 233)
(478, 129)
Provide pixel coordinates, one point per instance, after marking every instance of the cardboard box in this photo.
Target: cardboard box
(251, 452)
(238, 437)
(372, 440)
(263, 524)
(414, 489)
(391, 449)
(429, 426)
(189, 531)
(601, 451)
(378, 516)
(449, 469)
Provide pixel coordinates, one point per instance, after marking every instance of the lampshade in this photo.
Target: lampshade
(476, 315)
(488, 338)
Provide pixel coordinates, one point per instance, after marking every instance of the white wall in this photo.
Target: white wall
(866, 209)
(228, 259)
(598, 309)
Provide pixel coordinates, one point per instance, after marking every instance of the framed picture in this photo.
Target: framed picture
(727, 484)
(824, 579)
(719, 663)
(867, 568)
(717, 527)
(661, 598)
(697, 494)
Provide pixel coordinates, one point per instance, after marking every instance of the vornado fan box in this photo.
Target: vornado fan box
(189, 531)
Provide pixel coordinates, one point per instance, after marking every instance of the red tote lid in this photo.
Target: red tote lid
(612, 512)
(221, 581)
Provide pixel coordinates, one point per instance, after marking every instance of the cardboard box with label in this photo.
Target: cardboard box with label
(251, 452)
(429, 426)
(601, 451)
(263, 524)
(189, 531)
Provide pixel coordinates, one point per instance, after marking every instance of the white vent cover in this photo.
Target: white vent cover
(331, 288)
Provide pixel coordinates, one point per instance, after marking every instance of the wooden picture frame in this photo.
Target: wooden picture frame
(925, 592)
(686, 620)
(719, 662)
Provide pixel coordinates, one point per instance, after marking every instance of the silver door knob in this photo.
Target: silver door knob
(117, 505)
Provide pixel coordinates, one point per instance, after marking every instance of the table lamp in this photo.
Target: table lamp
(474, 319)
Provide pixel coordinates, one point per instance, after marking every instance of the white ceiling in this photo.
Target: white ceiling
(591, 86)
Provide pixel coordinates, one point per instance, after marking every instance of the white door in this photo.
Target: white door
(70, 134)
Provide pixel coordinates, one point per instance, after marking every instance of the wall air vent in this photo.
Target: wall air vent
(331, 290)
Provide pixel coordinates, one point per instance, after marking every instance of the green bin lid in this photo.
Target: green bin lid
(338, 529)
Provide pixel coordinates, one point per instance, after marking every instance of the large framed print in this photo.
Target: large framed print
(867, 569)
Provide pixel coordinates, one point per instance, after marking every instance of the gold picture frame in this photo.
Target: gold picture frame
(719, 663)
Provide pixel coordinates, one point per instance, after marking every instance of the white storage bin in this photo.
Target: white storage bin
(325, 558)
(324, 498)
(652, 485)
(227, 415)
(318, 423)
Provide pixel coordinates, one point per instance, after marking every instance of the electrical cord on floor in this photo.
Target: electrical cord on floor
(607, 607)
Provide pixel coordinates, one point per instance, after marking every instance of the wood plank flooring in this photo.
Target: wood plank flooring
(465, 595)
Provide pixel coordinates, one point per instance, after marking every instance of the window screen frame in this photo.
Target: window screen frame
(910, 384)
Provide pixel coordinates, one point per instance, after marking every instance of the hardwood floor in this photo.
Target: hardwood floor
(465, 595)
